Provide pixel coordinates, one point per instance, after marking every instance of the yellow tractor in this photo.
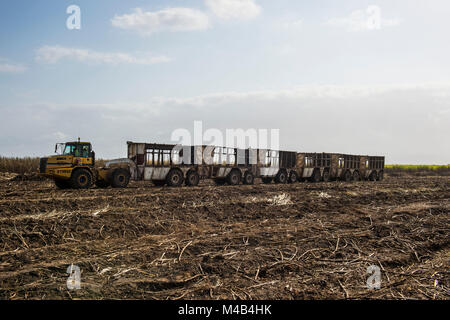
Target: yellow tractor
(74, 167)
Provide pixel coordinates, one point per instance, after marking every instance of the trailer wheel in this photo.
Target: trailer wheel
(81, 179)
(348, 176)
(175, 178)
(356, 176)
(373, 176)
(234, 177)
(102, 183)
(326, 176)
(380, 176)
(267, 180)
(316, 176)
(248, 178)
(120, 178)
(293, 177)
(62, 184)
(192, 179)
(281, 177)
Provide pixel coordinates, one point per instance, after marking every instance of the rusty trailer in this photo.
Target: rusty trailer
(316, 167)
(173, 164)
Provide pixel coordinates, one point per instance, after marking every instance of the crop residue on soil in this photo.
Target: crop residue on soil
(301, 241)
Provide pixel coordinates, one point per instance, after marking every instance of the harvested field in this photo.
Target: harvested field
(301, 241)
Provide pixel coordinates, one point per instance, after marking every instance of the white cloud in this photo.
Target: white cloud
(361, 20)
(53, 54)
(12, 68)
(397, 120)
(234, 9)
(170, 19)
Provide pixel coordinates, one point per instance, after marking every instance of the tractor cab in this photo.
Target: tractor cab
(69, 156)
(76, 149)
(73, 166)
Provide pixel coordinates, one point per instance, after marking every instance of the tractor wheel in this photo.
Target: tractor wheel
(248, 178)
(293, 177)
(81, 179)
(192, 179)
(267, 180)
(102, 183)
(281, 177)
(316, 176)
(326, 176)
(174, 178)
(356, 176)
(234, 177)
(62, 184)
(120, 178)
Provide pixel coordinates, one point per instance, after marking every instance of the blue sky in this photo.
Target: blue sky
(313, 69)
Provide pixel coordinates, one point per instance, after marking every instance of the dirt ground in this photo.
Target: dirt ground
(300, 241)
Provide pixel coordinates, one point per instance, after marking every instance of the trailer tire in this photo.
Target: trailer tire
(281, 177)
(120, 178)
(380, 176)
(326, 175)
(316, 176)
(373, 176)
(175, 178)
(192, 178)
(348, 176)
(81, 179)
(249, 178)
(234, 177)
(356, 176)
(62, 184)
(293, 177)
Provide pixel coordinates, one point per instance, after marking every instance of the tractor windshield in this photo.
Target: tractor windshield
(74, 149)
(70, 149)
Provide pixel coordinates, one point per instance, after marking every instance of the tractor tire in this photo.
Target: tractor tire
(281, 177)
(293, 177)
(356, 176)
(120, 178)
(175, 178)
(62, 184)
(326, 176)
(248, 178)
(102, 184)
(81, 179)
(267, 180)
(234, 177)
(192, 179)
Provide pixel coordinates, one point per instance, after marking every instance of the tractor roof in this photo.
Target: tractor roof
(81, 142)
